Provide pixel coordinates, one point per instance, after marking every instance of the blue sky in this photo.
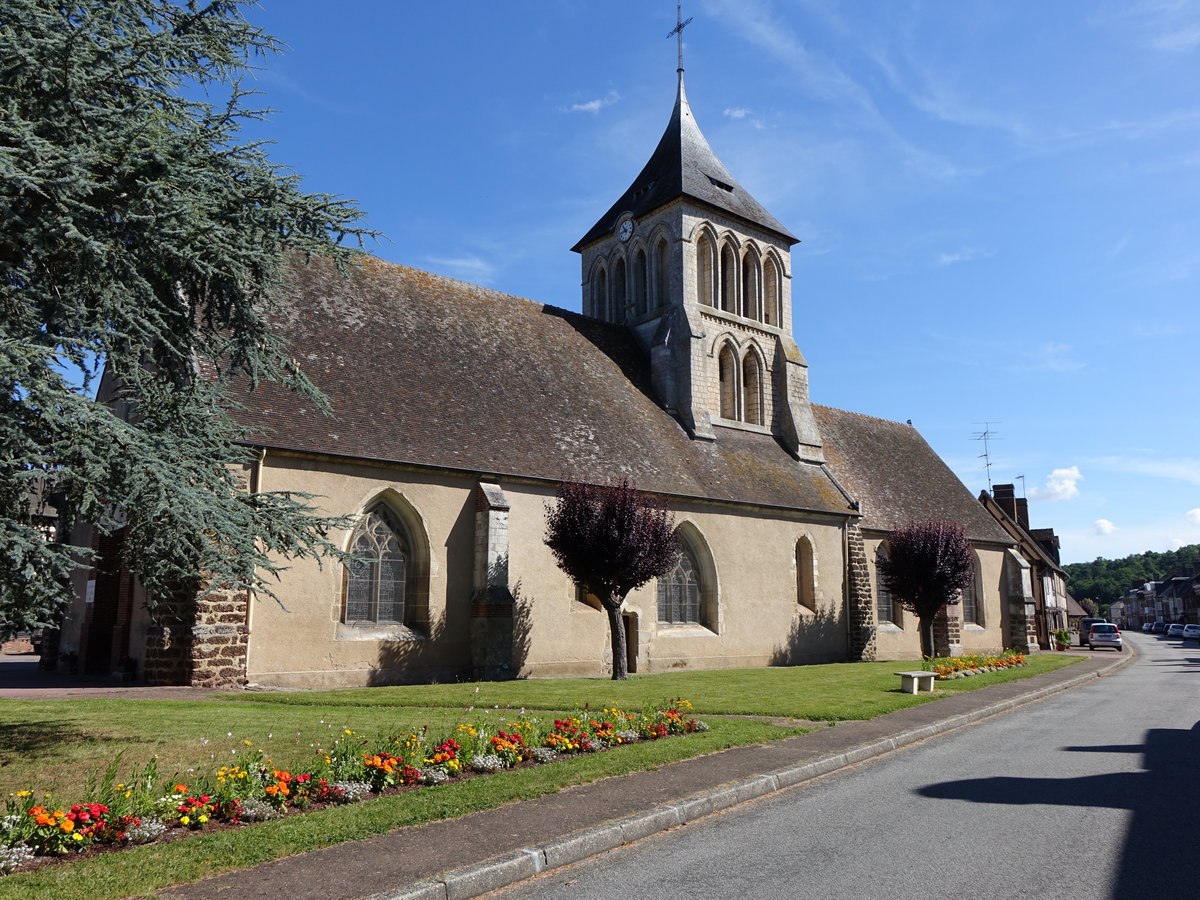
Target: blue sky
(998, 202)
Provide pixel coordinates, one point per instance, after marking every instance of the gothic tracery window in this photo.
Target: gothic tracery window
(679, 592)
(885, 606)
(377, 577)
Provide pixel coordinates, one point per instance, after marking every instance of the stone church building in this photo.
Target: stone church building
(458, 410)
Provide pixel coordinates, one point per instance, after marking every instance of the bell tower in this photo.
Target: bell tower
(702, 274)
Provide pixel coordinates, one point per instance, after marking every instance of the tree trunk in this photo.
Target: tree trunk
(926, 628)
(616, 630)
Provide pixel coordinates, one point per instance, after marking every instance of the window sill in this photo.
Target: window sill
(666, 629)
(972, 626)
(377, 633)
(890, 628)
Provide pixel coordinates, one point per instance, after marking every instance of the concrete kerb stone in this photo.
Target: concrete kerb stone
(421, 890)
(491, 875)
(645, 824)
(794, 775)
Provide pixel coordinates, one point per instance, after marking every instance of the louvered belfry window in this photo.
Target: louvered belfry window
(679, 593)
(375, 586)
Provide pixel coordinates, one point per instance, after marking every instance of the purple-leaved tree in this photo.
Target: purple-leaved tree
(928, 565)
(610, 541)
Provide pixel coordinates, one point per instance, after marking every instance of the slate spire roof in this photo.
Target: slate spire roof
(684, 165)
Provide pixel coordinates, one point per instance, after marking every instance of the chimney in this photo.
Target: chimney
(1023, 512)
(1006, 499)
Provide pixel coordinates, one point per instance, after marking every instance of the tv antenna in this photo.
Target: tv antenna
(1021, 478)
(680, 24)
(986, 435)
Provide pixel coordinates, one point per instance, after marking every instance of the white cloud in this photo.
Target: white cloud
(1103, 526)
(1178, 468)
(965, 254)
(1061, 484)
(594, 106)
(1193, 516)
(469, 268)
(1048, 357)
(739, 112)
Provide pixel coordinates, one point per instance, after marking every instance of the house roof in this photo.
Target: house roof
(427, 371)
(1027, 541)
(897, 476)
(684, 165)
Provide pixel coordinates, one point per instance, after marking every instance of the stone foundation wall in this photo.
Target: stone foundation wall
(199, 641)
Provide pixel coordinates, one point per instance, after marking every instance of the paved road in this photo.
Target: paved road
(1091, 794)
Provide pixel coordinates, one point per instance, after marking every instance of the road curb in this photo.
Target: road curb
(502, 871)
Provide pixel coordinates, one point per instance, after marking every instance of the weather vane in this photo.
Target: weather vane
(678, 30)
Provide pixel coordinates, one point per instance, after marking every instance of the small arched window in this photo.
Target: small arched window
(806, 575)
(772, 294)
(885, 607)
(729, 279)
(752, 388)
(619, 292)
(727, 367)
(679, 591)
(377, 577)
(751, 298)
(600, 294)
(971, 612)
(662, 274)
(705, 267)
(640, 279)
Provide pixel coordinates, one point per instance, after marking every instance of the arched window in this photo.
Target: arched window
(619, 294)
(728, 377)
(884, 606)
(639, 283)
(679, 591)
(772, 293)
(729, 277)
(752, 388)
(751, 298)
(705, 266)
(662, 274)
(377, 579)
(600, 294)
(971, 612)
(806, 575)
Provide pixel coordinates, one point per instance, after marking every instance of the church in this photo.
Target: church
(457, 411)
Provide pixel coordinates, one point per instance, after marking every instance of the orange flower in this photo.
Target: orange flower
(181, 789)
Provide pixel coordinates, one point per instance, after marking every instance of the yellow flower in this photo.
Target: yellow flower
(24, 793)
(202, 819)
(77, 836)
(184, 820)
(248, 744)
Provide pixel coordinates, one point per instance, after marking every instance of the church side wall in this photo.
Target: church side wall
(748, 560)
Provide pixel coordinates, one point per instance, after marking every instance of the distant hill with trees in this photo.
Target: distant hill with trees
(1105, 580)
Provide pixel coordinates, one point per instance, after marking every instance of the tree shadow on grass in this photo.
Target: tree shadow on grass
(1165, 812)
(815, 637)
(45, 737)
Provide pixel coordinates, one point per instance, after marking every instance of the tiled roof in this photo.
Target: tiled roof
(897, 475)
(684, 164)
(423, 370)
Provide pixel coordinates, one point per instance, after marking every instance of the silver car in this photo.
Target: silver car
(1191, 633)
(1105, 634)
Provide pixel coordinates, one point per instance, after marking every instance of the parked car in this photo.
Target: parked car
(1191, 632)
(1158, 628)
(1085, 626)
(1104, 634)
(1147, 627)
(1175, 630)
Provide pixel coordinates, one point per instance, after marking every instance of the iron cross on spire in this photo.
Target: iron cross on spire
(678, 30)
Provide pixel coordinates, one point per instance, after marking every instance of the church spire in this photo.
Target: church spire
(684, 165)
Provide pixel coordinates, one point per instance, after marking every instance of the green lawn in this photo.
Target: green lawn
(53, 746)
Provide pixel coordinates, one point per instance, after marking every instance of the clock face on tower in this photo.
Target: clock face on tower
(626, 230)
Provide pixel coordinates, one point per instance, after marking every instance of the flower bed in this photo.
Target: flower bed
(945, 668)
(144, 808)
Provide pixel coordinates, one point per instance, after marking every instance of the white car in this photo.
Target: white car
(1191, 633)
(1105, 634)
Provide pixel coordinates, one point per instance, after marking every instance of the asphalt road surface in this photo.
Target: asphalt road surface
(1094, 793)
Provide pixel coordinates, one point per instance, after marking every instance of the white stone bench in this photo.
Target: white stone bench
(915, 682)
